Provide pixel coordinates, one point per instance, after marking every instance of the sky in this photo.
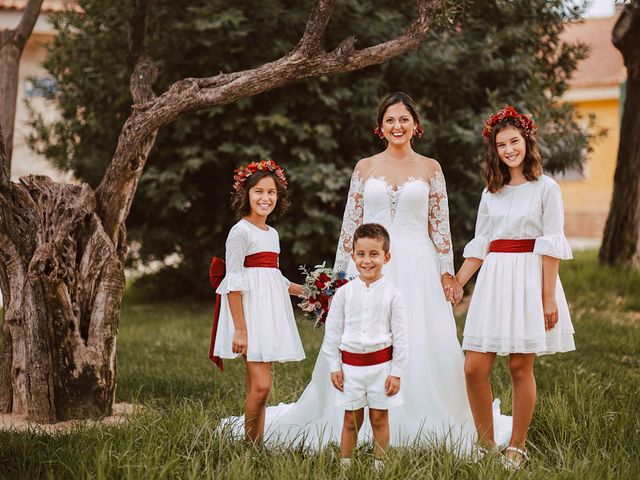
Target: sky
(600, 8)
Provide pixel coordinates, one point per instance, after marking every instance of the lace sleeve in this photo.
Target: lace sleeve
(439, 222)
(352, 218)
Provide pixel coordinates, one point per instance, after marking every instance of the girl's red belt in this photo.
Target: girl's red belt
(512, 246)
(216, 275)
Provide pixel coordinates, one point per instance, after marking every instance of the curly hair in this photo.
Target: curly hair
(374, 231)
(496, 173)
(240, 200)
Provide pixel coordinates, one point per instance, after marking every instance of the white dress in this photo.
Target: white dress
(435, 409)
(272, 335)
(505, 315)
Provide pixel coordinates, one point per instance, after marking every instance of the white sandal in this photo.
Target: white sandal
(515, 463)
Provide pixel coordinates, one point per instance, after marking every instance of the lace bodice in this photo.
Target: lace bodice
(416, 208)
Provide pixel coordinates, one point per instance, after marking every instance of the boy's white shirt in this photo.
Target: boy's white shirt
(365, 319)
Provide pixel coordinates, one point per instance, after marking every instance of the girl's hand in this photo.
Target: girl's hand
(550, 308)
(295, 289)
(239, 342)
(452, 289)
(338, 380)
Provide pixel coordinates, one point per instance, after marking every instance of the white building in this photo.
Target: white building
(24, 161)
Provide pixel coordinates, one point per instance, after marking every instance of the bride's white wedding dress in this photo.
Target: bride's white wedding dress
(436, 409)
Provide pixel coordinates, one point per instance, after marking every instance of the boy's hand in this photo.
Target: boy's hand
(392, 385)
(239, 342)
(338, 380)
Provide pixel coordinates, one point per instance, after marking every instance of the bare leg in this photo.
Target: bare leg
(524, 397)
(258, 390)
(350, 427)
(477, 368)
(380, 425)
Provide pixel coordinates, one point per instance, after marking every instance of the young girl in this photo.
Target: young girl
(518, 306)
(256, 318)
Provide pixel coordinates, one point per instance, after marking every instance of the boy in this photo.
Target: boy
(365, 342)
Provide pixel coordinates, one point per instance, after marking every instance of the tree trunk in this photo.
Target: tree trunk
(62, 246)
(621, 241)
(62, 281)
(12, 43)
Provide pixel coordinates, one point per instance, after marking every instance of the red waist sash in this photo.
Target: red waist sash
(367, 359)
(512, 246)
(216, 275)
(261, 260)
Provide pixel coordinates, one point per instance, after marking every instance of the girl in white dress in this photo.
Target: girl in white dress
(518, 306)
(256, 318)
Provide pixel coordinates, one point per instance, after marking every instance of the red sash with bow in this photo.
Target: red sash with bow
(216, 275)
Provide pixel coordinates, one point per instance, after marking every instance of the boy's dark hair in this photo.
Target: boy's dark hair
(240, 200)
(374, 231)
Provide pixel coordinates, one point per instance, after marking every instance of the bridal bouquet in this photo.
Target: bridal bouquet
(319, 287)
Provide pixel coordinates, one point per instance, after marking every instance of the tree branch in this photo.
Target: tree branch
(307, 60)
(27, 22)
(316, 25)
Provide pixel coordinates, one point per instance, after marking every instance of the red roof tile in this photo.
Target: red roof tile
(49, 6)
(604, 66)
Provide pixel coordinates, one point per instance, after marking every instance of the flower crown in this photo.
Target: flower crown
(242, 173)
(525, 122)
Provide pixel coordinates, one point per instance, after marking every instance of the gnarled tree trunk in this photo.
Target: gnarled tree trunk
(621, 241)
(64, 281)
(62, 246)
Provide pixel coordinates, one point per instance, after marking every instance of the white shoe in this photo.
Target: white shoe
(511, 463)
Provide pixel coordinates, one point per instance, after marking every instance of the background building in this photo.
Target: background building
(24, 160)
(597, 87)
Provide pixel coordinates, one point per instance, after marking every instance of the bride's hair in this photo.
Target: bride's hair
(398, 97)
(496, 173)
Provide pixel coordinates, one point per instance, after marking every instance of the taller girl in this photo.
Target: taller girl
(518, 306)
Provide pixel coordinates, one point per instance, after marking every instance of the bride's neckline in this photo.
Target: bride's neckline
(400, 185)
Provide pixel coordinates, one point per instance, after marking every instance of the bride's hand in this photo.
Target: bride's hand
(452, 290)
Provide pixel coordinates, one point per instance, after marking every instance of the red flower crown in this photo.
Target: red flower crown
(525, 122)
(242, 173)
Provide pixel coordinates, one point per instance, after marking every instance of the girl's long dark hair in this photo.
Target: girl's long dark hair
(240, 200)
(496, 173)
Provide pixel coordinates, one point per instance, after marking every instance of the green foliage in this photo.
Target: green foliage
(479, 57)
(585, 424)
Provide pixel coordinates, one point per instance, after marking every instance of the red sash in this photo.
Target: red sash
(216, 275)
(367, 359)
(512, 246)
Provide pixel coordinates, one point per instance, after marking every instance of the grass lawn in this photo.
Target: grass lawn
(586, 424)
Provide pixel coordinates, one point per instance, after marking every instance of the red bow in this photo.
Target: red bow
(216, 275)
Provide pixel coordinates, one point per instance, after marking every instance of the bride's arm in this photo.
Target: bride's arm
(352, 219)
(440, 233)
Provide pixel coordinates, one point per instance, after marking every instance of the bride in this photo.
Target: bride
(405, 192)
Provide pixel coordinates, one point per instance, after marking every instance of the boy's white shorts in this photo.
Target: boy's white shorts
(364, 387)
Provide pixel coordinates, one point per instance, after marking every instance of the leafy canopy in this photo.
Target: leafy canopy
(478, 58)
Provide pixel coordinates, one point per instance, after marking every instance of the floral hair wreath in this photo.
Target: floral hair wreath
(378, 131)
(243, 173)
(525, 122)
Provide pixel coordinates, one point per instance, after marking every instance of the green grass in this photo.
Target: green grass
(586, 424)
